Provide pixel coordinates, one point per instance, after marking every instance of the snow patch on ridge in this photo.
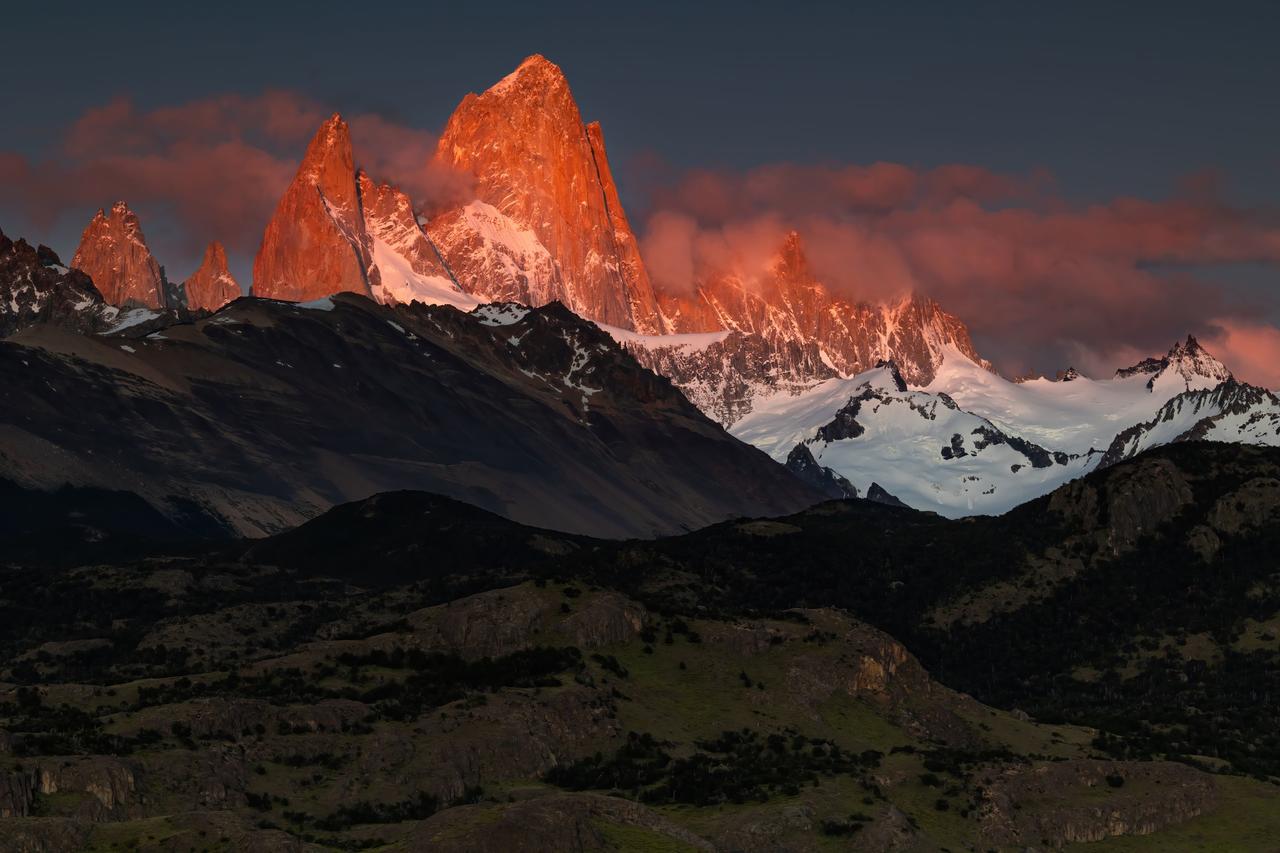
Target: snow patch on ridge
(401, 284)
(687, 342)
(500, 313)
(324, 303)
(132, 317)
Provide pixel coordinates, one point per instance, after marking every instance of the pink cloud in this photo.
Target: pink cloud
(1038, 281)
(211, 168)
(1251, 350)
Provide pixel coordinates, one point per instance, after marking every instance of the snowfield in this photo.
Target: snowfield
(402, 284)
(973, 443)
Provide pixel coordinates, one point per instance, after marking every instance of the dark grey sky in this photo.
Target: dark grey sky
(1111, 99)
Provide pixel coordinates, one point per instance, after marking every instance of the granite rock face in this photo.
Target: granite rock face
(113, 252)
(211, 286)
(316, 243)
(546, 224)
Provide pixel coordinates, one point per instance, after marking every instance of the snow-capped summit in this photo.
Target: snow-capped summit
(1195, 365)
(972, 442)
(920, 446)
(1187, 364)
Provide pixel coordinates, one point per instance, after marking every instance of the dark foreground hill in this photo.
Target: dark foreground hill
(266, 413)
(414, 673)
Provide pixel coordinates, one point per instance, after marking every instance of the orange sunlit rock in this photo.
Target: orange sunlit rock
(316, 243)
(546, 223)
(212, 286)
(790, 306)
(114, 253)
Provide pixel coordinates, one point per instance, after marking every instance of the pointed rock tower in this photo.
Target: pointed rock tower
(114, 253)
(547, 223)
(316, 243)
(211, 286)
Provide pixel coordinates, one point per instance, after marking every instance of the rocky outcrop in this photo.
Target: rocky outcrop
(1131, 503)
(108, 785)
(877, 494)
(515, 737)
(1253, 506)
(547, 224)
(1126, 799)
(36, 288)
(212, 285)
(17, 793)
(113, 252)
(316, 244)
(801, 463)
(879, 670)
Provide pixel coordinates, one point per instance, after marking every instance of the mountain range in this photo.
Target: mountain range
(265, 413)
(858, 394)
(461, 532)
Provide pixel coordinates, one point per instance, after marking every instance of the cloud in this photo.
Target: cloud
(676, 250)
(1250, 349)
(211, 168)
(405, 156)
(1039, 281)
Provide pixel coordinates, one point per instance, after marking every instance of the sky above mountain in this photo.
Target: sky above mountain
(1084, 183)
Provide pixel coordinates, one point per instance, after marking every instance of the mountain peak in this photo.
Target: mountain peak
(315, 244)
(113, 252)
(1192, 361)
(36, 289)
(545, 193)
(212, 285)
(1189, 347)
(1194, 366)
(535, 70)
(329, 162)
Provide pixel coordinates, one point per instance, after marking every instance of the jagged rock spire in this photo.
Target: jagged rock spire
(545, 201)
(316, 243)
(212, 285)
(113, 252)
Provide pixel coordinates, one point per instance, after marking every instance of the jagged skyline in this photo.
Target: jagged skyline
(1056, 255)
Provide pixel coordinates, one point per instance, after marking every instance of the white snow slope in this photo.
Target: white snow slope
(973, 443)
